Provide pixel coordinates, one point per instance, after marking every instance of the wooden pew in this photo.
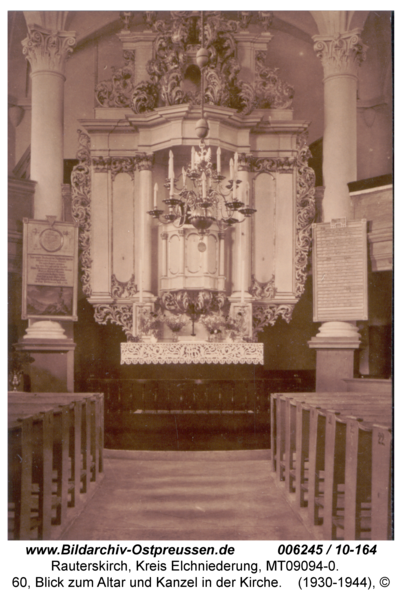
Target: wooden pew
(362, 481)
(60, 440)
(328, 451)
(284, 424)
(312, 436)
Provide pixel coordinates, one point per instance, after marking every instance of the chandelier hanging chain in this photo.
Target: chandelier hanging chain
(206, 203)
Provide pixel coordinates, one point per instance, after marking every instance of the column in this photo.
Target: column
(46, 52)
(164, 271)
(144, 226)
(182, 249)
(341, 56)
(242, 245)
(221, 236)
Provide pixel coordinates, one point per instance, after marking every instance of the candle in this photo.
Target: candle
(236, 160)
(218, 160)
(183, 174)
(171, 187)
(192, 158)
(242, 283)
(231, 169)
(155, 194)
(140, 279)
(204, 185)
(171, 168)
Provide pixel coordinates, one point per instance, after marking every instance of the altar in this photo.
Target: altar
(209, 353)
(195, 219)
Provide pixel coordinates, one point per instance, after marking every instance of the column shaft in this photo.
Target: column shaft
(143, 244)
(242, 250)
(339, 145)
(47, 142)
(46, 52)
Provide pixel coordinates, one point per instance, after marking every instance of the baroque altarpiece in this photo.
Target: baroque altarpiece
(147, 112)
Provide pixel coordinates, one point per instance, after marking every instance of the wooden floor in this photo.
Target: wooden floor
(188, 496)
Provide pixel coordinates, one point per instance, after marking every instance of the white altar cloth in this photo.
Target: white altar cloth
(185, 353)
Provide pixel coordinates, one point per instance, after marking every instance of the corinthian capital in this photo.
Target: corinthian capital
(341, 54)
(145, 161)
(47, 50)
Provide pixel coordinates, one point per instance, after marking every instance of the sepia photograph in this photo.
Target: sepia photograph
(200, 278)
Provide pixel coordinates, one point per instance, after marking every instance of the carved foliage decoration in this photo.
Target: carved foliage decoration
(268, 90)
(175, 40)
(305, 201)
(117, 91)
(342, 53)
(204, 300)
(119, 314)
(284, 164)
(46, 50)
(262, 291)
(144, 97)
(267, 314)
(123, 289)
(101, 164)
(81, 206)
(123, 164)
(305, 213)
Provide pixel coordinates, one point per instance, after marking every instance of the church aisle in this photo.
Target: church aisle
(188, 496)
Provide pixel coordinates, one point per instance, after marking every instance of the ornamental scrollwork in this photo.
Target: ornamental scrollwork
(123, 164)
(46, 50)
(267, 314)
(144, 97)
(176, 41)
(145, 162)
(305, 203)
(117, 91)
(101, 164)
(118, 314)
(121, 289)
(284, 164)
(203, 301)
(342, 53)
(262, 291)
(268, 90)
(81, 206)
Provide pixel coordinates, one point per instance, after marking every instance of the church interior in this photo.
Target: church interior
(200, 264)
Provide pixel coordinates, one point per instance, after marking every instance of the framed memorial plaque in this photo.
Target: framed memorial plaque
(340, 271)
(49, 270)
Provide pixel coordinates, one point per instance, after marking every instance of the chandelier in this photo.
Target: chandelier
(200, 199)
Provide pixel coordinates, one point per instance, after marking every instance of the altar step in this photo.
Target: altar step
(187, 430)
